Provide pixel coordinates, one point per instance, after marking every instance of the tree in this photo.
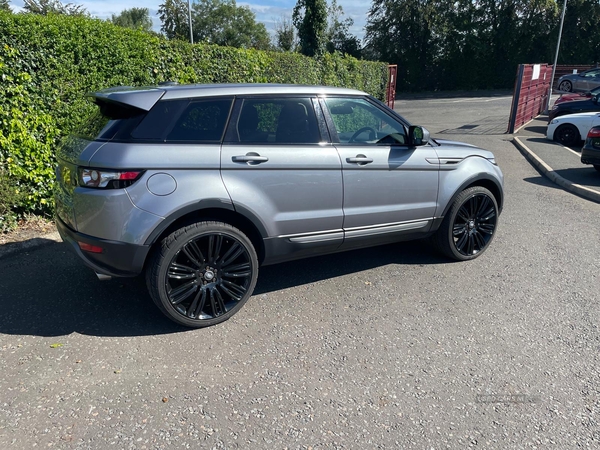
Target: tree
(285, 34)
(45, 7)
(403, 32)
(174, 18)
(339, 38)
(222, 22)
(136, 18)
(4, 6)
(310, 19)
(581, 33)
(219, 22)
(466, 44)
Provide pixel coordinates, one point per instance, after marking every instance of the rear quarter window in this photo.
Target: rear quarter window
(158, 121)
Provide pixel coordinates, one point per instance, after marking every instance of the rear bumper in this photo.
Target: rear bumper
(118, 259)
(590, 155)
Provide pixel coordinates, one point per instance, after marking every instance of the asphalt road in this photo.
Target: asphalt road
(391, 347)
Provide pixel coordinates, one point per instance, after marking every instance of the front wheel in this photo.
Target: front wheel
(565, 86)
(469, 227)
(567, 134)
(202, 274)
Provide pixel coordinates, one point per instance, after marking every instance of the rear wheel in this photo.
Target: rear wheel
(597, 167)
(469, 227)
(202, 274)
(567, 134)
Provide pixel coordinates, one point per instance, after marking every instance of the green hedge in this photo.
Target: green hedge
(48, 63)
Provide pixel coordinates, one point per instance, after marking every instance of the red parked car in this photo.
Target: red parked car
(577, 96)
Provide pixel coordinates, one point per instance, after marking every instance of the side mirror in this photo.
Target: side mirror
(417, 135)
(595, 98)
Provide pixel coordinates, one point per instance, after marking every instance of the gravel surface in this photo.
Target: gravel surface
(390, 347)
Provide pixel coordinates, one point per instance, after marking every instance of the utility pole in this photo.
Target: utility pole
(562, 19)
(190, 20)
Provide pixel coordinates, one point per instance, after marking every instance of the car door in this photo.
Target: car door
(278, 168)
(390, 188)
(590, 79)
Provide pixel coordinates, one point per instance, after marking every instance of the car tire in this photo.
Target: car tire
(567, 134)
(469, 226)
(565, 86)
(202, 274)
(597, 167)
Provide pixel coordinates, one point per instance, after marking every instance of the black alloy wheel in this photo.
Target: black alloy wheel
(469, 226)
(203, 274)
(567, 134)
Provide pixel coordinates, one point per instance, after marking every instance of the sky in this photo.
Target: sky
(266, 11)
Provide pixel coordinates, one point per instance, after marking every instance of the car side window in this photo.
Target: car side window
(202, 120)
(277, 120)
(592, 74)
(358, 121)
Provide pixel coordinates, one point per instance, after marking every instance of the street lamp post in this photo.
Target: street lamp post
(190, 21)
(562, 19)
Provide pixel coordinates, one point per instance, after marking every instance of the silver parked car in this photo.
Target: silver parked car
(579, 82)
(196, 186)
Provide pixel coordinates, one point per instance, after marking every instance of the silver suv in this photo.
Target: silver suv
(197, 186)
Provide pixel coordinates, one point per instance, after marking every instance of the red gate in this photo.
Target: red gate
(391, 86)
(530, 97)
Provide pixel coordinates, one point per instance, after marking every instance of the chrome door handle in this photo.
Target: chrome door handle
(250, 158)
(361, 160)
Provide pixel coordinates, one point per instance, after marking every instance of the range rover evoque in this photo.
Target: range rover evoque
(196, 186)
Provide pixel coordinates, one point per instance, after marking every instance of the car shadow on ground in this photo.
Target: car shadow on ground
(296, 273)
(586, 176)
(48, 291)
(575, 148)
(537, 129)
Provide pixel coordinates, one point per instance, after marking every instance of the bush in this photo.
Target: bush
(10, 198)
(48, 63)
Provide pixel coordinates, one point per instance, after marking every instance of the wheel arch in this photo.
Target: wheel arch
(483, 180)
(247, 223)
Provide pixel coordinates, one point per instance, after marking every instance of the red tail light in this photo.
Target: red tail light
(106, 179)
(90, 248)
(594, 133)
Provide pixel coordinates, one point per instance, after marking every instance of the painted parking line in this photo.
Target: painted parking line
(572, 151)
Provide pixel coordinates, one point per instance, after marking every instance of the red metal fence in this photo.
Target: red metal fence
(391, 86)
(530, 96)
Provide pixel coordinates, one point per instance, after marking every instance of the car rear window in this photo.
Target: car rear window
(108, 121)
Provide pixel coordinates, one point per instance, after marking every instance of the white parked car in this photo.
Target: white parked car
(572, 128)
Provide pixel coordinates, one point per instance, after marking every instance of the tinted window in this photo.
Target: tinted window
(107, 121)
(591, 73)
(358, 122)
(155, 124)
(278, 120)
(202, 120)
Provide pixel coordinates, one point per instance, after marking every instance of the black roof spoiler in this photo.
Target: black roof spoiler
(143, 98)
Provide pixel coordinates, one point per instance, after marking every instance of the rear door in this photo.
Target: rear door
(278, 166)
(390, 188)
